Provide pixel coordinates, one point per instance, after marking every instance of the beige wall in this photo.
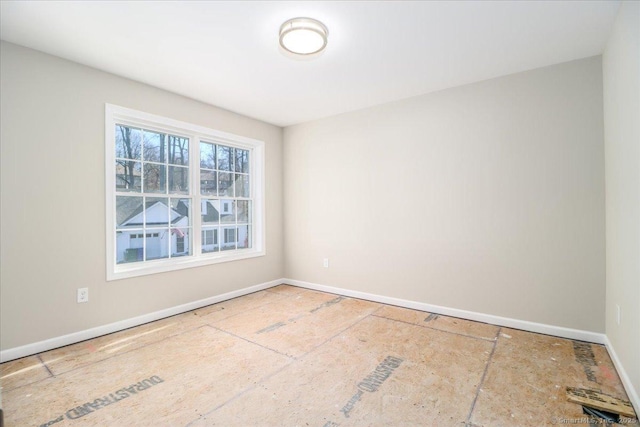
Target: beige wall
(53, 201)
(621, 75)
(487, 197)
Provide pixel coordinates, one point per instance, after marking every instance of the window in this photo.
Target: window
(173, 188)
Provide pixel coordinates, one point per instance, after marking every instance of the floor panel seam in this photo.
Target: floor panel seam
(282, 298)
(242, 392)
(241, 311)
(484, 375)
(126, 352)
(45, 366)
(293, 359)
(436, 329)
(341, 332)
(260, 304)
(251, 342)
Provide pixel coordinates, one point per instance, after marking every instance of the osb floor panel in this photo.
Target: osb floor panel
(294, 357)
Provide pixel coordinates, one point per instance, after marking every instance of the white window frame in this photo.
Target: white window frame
(120, 115)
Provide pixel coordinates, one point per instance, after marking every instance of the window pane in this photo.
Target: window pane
(180, 221)
(154, 145)
(242, 161)
(227, 211)
(127, 143)
(180, 242)
(244, 236)
(210, 240)
(178, 180)
(156, 212)
(228, 238)
(210, 211)
(129, 212)
(207, 155)
(157, 243)
(225, 184)
(209, 183)
(225, 158)
(242, 186)
(128, 175)
(178, 150)
(242, 209)
(128, 246)
(154, 178)
(180, 212)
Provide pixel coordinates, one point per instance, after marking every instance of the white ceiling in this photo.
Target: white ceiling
(226, 53)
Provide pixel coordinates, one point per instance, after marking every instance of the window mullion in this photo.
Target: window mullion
(144, 229)
(196, 197)
(165, 165)
(169, 245)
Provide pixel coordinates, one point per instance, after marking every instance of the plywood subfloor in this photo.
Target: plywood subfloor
(294, 357)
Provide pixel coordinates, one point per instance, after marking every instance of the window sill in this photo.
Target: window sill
(125, 271)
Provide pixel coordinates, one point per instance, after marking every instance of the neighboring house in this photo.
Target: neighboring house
(166, 230)
(225, 237)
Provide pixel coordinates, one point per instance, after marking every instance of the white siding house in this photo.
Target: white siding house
(166, 232)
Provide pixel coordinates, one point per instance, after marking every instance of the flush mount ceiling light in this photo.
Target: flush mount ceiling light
(303, 36)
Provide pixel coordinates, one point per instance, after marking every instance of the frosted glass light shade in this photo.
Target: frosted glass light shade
(303, 36)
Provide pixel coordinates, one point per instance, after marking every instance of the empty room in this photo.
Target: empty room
(344, 213)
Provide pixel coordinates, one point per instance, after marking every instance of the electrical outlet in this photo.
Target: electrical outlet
(618, 314)
(325, 262)
(83, 295)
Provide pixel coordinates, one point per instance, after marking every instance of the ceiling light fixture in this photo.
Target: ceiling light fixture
(303, 36)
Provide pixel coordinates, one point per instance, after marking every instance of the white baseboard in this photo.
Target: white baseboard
(634, 398)
(49, 344)
(541, 328)
(39, 347)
